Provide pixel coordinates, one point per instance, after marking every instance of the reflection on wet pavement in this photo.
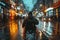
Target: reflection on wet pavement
(13, 29)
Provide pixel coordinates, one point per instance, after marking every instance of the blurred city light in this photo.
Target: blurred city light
(41, 5)
(48, 9)
(18, 8)
(49, 28)
(40, 35)
(21, 11)
(21, 4)
(11, 2)
(44, 28)
(12, 13)
(12, 6)
(13, 29)
(2, 3)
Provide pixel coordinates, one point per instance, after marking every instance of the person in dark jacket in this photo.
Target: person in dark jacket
(30, 25)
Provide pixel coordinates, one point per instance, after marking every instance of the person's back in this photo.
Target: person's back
(29, 24)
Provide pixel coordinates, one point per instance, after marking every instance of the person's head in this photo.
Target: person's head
(30, 14)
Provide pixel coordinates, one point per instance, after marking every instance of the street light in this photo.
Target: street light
(18, 7)
(21, 4)
(49, 9)
(41, 5)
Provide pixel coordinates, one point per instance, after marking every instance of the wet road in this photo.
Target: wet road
(16, 30)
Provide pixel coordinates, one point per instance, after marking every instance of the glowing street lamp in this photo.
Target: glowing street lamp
(41, 5)
(18, 7)
(21, 4)
(21, 11)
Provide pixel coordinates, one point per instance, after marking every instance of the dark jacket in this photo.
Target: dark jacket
(29, 23)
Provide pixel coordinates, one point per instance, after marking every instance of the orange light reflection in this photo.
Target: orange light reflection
(13, 29)
(13, 25)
